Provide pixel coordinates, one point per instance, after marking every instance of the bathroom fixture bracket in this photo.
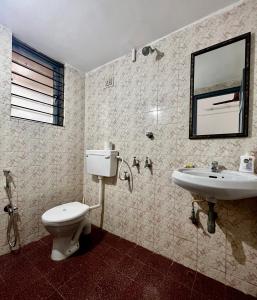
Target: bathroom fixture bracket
(134, 55)
(150, 135)
(148, 49)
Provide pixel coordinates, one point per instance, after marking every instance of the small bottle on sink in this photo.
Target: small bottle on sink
(247, 163)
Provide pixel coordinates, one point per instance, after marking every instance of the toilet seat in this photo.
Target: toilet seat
(66, 213)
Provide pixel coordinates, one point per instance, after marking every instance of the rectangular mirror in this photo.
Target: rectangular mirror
(219, 93)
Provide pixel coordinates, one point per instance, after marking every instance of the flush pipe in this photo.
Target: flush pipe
(100, 194)
(100, 199)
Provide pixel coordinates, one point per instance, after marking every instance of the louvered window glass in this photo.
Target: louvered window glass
(37, 86)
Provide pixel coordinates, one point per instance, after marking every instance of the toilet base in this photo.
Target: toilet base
(58, 254)
(64, 247)
(62, 250)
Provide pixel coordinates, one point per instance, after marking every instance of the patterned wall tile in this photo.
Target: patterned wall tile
(154, 96)
(47, 161)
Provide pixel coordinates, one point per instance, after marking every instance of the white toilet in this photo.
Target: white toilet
(67, 221)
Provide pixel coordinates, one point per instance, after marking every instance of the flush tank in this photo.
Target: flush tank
(102, 162)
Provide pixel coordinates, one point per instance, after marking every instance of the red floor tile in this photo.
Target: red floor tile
(159, 263)
(149, 278)
(129, 267)
(94, 271)
(79, 287)
(171, 290)
(4, 292)
(99, 249)
(136, 291)
(198, 296)
(55, 296)
(110, 287)
(181, 274)
(112, 257)
(9, 261)
(180, 292)
(40, 257)
(106, 267)
(40, 289)
(233, 294)
(83, 282)
(209, 287)
(62, 272)
(17, 276)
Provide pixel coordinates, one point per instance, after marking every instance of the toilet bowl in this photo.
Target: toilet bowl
(65, 223)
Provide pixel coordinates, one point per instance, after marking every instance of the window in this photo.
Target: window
(37, 86)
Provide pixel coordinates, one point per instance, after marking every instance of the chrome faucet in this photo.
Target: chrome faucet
(148, 163)
(126, 176)
(135, 162)
(215, 166)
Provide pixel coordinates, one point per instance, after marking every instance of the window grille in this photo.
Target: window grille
(37, 91)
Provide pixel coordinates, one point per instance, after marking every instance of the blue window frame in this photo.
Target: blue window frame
(37, 86)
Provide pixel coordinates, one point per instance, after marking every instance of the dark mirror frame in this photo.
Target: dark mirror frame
(247, 38)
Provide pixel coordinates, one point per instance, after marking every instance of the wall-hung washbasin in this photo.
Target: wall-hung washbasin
(222, 185)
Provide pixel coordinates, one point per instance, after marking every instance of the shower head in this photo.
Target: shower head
(148, 49)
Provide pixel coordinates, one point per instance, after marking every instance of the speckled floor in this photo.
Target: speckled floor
(106, 267)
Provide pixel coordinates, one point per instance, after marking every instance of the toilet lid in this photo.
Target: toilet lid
(65, 212)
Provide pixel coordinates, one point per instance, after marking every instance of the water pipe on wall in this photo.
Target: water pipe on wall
(100, 200)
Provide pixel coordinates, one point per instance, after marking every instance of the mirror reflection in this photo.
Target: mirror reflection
(219, 91)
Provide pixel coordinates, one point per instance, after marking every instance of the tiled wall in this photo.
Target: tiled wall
(154, 96)
(46, 160)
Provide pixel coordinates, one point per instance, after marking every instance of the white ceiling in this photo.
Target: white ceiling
(89, 33)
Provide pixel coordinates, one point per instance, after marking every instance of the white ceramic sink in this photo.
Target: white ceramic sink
(223, 185)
